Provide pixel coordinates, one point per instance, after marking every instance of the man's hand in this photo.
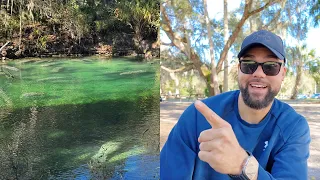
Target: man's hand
(219, 146)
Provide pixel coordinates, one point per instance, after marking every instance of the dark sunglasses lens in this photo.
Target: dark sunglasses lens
(248, 67)
(271, 68)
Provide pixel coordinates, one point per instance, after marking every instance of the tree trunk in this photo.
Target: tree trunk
(20, 30)
(137, 38)
(214, 77)
(11, 7)
(8, 5)
(176, 82)
(297, 82)
(226, 30)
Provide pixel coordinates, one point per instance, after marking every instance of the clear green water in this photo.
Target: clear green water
(83, 118)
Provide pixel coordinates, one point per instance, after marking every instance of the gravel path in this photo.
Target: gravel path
(171, 111)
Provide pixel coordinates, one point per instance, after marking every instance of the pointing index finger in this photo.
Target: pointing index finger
(213, 119)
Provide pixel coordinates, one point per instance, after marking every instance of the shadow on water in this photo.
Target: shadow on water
(108, 139)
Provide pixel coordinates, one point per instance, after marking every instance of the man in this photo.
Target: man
(246, 134)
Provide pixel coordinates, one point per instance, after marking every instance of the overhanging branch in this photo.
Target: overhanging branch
(185, 68)
(232, 38)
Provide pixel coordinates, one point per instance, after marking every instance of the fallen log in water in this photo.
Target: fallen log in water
(4, 46)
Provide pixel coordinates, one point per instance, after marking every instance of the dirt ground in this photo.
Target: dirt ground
(171, 111)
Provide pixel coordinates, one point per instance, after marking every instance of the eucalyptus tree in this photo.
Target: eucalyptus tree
(184, 23)
(214, 76)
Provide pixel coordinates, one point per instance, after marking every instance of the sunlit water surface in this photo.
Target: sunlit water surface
(85, 118)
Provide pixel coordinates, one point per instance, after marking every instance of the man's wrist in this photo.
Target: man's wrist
(252, 168)
(249, 168)
(243, 158)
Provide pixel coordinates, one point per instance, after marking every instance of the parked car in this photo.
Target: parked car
(315, 96)
(302, 96)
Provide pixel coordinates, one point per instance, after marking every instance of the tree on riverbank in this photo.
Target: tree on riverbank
(38, 28)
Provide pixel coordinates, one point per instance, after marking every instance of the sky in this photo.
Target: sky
(215, 10)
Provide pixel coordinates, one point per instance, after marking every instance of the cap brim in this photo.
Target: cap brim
(243, 50)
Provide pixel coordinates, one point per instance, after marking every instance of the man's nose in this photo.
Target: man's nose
(259, 72)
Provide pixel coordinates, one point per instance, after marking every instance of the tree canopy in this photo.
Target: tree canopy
(184, 23)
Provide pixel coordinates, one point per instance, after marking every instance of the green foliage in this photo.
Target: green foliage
(43, 42)
(314, 69)
(145, 10)
(8, 24)
(315, 13)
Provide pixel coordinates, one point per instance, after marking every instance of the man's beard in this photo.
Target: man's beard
(257, 104)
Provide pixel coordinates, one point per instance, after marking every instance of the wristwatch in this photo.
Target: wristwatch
(249, 169)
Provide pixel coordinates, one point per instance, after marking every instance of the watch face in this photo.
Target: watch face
(251, 170)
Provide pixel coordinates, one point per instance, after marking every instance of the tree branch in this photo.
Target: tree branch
(166, 26)
(178, 42)
(188, 67)
(166, 44)
(275, 18)
(232, 38)
(262, 8)
(4, 46)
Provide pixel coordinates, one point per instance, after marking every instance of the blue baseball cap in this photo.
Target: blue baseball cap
(271, 41)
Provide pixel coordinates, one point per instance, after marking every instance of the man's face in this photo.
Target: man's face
(258, 89)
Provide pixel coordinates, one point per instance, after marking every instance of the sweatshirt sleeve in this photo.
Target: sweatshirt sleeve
(178, 156)
(290, 162)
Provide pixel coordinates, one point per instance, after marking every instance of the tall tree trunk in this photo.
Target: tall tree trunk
(8, 5)
(20, 30)
(137, 38)
(226, 36)
(297, 82)
(176, 81)
(11, 7)
(214, 77)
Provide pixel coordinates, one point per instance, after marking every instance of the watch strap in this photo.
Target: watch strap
(243, 175)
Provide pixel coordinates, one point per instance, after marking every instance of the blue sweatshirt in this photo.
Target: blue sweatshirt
(280, 142)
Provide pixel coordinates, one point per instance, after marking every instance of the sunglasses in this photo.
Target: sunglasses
(269, 68)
